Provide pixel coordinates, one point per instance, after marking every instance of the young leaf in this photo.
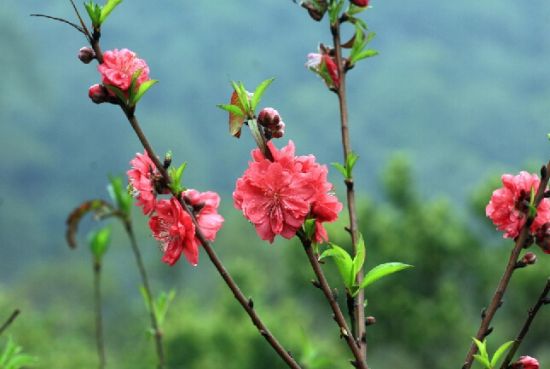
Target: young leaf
(309, 228)
(99, 242)
(340, 168)
(363, 54)
(359, 258)
(259, 92)
(334, 10)
(499, 352)
(483, 361)
(482, 348)
(382, 271)
(94, 11)
(343, 262)
(351, 161)
(142, 90)
(233, 109)
(119, 194)
(107, 9)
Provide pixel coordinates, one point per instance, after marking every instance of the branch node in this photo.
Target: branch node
(250, 303)
(316, 283)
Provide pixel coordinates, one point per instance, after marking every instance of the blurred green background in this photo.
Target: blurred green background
(459, 93)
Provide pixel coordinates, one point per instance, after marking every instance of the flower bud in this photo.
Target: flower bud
(278, 134)
(526, 362)
(529, 258)
(361, 3)
(269, 117)
(98, 94)
(86, 55)
(542, 237)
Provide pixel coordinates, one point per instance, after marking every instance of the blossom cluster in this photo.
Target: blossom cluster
(278, 195)
(170, 224)
(509, 207)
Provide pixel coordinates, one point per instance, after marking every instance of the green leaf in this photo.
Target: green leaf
(242, 95)
(309, 228)
(482, 348)
(499, 352)
(233, 109)
(119, 93)
(94, 11)
(256, 98)
(107, 9)
(119, 194)
(340, 168)
(359, 258)
(363, 55)
(163, 302)
(351, 161)
(176, 175)
(483, 361)
(142, 90)
(335, 9)
(343, 262)
(381, 271)
(99, 242)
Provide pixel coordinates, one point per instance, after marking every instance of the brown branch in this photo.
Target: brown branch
(149, 294)
(543, 299)
(100, 342)
(10, 320)
(338, 316)
(496, 301)
(359, 330)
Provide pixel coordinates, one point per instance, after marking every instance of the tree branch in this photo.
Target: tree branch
(100, 343)
(358, 319)
(543, 299)
(496, 301)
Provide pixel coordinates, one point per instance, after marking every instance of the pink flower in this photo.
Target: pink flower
(175, 231)
(277, 196)
(205, 206)
(361, 3)
(313, 60)
(119, 66)
(142, 179)
(507, 208)
(526, 362)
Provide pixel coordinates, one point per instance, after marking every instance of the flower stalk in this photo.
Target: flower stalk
(100, 342)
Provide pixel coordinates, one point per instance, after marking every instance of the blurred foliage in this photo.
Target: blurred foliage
(425, 316)
(461, 87)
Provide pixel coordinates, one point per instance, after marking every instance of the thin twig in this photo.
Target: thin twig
(358, 318)
(496, 301)
(149, 294)
(78, 28)
(82, 24)
(345, 332)
(9, 321)
(100, 343)
(543, 299)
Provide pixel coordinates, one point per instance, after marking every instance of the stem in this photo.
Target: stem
(345, 332)
(10, 320)
(543, 299)
(98, 316)
(148, 293)
(496, 301)
(358, 318)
